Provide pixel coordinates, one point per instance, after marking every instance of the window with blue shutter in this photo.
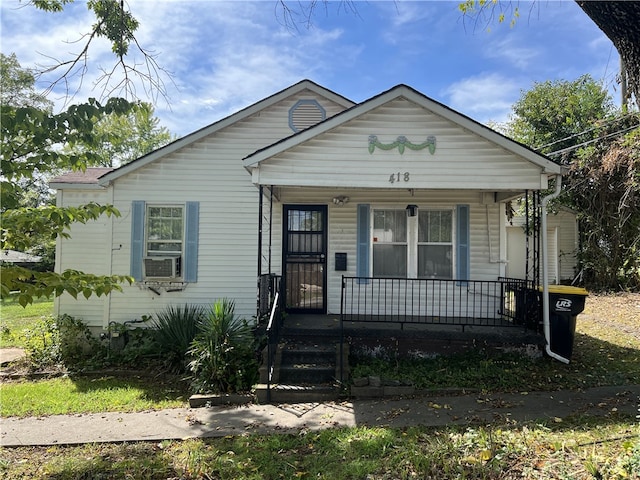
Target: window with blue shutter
(190, 263)
(363, 246)
(157, 234)
(137, 239)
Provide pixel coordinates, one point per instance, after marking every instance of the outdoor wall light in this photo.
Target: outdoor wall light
(412, 210)
(340, 200)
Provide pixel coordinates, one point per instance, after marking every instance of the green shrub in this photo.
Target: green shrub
(131, 346)
(222, 353)
(42, 343)
(175, 328)
(62, 341)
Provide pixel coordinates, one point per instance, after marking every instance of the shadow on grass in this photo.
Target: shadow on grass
(459, 451)
(153, 388)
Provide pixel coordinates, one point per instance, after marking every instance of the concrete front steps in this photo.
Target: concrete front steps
(304, 371)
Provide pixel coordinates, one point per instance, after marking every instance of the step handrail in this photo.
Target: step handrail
(273, 334)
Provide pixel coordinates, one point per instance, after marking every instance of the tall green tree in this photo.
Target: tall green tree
(574, 122)
(557, 114)
(18, 85)
(31, 147)
(121, 138)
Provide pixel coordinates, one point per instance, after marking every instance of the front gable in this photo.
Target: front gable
(401, 139)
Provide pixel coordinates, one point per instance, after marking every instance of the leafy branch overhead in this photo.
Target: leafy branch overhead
(118, 26)
(31, 285)
(32, 141)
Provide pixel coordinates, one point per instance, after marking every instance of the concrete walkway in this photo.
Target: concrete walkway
(183, 423)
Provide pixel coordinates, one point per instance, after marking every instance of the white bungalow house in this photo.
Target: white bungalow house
(390, 208)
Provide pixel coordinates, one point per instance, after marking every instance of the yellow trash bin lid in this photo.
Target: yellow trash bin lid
(566, 290)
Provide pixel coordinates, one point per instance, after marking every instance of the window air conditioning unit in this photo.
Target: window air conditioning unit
(161, 267)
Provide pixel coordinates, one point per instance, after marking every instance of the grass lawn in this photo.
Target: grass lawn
(88, 394)
(579, 449)
(607, 351)
(14, 319)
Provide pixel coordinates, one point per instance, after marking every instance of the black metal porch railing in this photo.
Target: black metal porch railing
(501, 303)
(269, 285)
(270, 309)
(273, 338)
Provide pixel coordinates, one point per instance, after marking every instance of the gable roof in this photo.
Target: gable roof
(404, 91)
(231, 119)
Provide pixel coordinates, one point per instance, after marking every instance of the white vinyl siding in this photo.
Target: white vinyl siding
(88, 249)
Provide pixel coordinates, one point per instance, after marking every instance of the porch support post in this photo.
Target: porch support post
(270, 224)
(258, 280)
(527, 231)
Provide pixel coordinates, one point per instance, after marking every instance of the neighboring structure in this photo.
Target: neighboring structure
(20, 259)
(562, 237)
(307, 185)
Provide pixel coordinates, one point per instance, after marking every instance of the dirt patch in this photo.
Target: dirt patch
(617, 313)
(11, 354)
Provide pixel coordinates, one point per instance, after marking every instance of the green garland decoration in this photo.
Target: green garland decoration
(401, 143)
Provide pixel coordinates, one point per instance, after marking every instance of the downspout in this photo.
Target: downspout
(545, 271)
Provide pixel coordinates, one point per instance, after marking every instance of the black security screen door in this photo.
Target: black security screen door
(305, 258)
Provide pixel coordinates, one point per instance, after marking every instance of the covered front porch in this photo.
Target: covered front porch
(391, 217)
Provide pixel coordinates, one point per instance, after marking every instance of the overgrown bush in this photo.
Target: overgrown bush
(62, 341)
(174, 330)
(222, 353)
(131, 346)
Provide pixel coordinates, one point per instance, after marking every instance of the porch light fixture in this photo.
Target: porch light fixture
(412, 210)
(340, 200)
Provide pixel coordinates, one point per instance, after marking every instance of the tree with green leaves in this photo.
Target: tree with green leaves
(31, 146)
(574, 122)
(121, 138)
(553, 114)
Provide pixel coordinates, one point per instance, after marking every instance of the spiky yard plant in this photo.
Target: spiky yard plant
(175, 328)
(222, 353)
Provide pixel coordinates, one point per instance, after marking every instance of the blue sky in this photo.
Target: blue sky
(224, 56)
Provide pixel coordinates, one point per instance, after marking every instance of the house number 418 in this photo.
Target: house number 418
(398, 177)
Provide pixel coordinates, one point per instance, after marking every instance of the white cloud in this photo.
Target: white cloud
(484, 97)
(507, 48)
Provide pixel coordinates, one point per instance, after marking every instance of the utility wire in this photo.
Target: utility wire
(608, 122)
(568, 149)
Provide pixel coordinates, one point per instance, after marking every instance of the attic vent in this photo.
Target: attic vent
(305, 114)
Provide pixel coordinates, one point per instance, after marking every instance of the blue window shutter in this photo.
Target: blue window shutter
(463, 247)
(190, 261)
(362, 252)
(137, 238)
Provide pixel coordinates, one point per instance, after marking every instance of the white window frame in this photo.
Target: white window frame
(412, 237)
(450, 243)
(148, 218)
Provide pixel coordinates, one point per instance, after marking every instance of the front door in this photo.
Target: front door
(305, 258)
